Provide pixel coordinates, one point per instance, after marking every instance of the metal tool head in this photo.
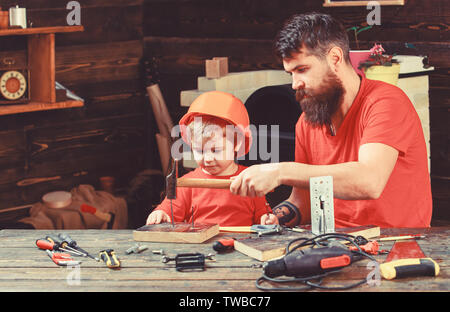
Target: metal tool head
(171, 181)
(266, 229)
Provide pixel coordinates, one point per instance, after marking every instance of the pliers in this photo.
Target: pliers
(62, 259)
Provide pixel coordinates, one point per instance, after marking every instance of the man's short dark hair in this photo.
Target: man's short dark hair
(316, 31)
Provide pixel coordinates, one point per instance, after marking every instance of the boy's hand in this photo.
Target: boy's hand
(158, 216)
(269, 219)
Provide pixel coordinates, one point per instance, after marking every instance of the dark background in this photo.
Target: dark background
(113, 134)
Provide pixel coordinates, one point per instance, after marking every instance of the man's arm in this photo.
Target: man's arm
(361, 179)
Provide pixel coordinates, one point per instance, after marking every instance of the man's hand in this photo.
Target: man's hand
(256, 181)
(157, 216)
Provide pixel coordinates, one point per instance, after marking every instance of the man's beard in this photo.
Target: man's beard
(319, 105)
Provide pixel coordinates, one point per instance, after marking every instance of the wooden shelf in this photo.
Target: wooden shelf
(41, 66)
(37, 106)
(331, 3)
(40, 30)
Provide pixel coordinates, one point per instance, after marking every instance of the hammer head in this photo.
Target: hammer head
(171, 181)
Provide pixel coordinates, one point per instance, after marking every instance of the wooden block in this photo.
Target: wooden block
(217, 67)
(223, 65)
(212, 69)
(178, 233)
(367, 231)
(188, 96)
(41, 59)
(265, 248)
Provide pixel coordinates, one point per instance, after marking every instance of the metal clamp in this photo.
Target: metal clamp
(322, 205)
(267, 229)
(189, 261)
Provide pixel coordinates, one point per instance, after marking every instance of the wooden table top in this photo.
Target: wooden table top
(24, 267)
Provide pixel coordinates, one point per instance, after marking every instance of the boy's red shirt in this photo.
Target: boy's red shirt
(381, 113)
(214, 206)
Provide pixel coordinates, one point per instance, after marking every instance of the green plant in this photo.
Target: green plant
(356, 30)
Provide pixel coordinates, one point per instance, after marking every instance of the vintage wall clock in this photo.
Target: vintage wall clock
(13, 87)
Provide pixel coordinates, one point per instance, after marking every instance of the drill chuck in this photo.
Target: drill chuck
(309, 262)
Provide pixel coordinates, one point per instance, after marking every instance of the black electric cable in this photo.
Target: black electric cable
(319, 240)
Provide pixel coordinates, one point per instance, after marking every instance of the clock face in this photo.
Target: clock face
(13, 85)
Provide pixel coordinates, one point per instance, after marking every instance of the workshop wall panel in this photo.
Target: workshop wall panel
(109, 135)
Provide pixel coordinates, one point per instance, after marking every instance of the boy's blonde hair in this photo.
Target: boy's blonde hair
(207, 127)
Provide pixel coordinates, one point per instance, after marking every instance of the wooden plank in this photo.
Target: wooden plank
(331, 3)
(108, 134)
(101, 23)
(12, 151)
(39, 5)
(32, 270)
(41, 61)
(122, 62)
(243, 54)
(40, 30)
(177, 233)
(160, 287)
(35, 106)
(262, 19)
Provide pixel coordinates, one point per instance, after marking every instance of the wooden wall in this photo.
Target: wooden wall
(112, 134)
(108, 136)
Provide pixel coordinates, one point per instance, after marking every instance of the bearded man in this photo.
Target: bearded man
(364, 133)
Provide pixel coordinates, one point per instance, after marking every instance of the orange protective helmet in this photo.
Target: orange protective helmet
(221, 105)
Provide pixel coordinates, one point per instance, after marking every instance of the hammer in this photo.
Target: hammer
(172, 182)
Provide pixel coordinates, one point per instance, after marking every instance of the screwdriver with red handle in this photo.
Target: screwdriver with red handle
(65, 245)
(45, 244)
(223, 245)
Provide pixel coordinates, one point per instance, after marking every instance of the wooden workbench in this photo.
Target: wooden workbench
(23, 267)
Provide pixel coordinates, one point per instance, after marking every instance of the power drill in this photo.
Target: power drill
(310, 262)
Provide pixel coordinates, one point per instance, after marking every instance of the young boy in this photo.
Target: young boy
(216, 128)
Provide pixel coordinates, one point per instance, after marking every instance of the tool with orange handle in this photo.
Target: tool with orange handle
(371, 248)
(223, 245)
(62, 259)
(46, 244)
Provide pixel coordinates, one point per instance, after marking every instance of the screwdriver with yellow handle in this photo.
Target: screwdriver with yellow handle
(109, 257)
(409, 268)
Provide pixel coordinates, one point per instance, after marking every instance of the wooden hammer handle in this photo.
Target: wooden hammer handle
(204, 183)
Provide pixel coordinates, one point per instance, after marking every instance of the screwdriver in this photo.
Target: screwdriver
(69, 241)
(64, 245)
(223, 245)
(48, 245)
(109, 257)
(409, 268)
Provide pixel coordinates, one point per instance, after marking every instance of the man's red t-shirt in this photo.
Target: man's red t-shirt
(380, 113)
(214, 206)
